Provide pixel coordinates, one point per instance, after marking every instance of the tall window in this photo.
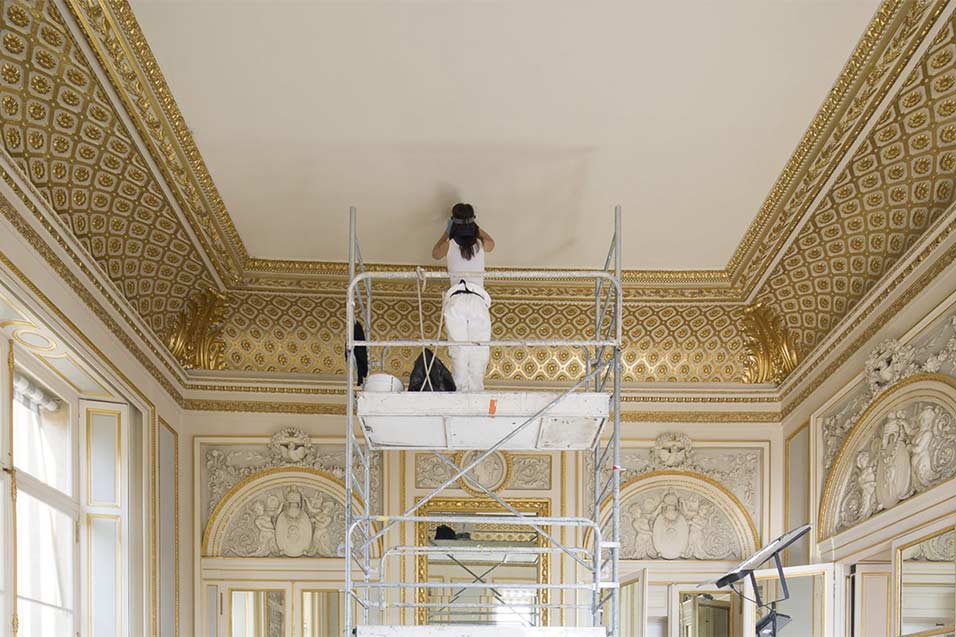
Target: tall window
(46, 512)
(68, 514)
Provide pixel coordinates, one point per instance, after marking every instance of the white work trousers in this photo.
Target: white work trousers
(467, 319)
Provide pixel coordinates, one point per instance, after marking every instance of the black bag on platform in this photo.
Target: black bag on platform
(361, 355)
(439, 378)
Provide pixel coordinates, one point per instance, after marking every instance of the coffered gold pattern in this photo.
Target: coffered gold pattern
(61, 130)
(838, 123)
(69, 139)
(898, 183)
(115, 36)
(887, 42)
(272, 333)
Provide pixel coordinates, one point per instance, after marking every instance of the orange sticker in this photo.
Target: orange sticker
(492, 407)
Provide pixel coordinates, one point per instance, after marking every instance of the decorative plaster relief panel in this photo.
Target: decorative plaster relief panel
(224, 465)
(673, 523)
(500, 471)
(899, 454)
(932, 352)
(738, 469)
(286, 521)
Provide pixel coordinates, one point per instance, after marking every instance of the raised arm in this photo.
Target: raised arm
(486, 241)
(441, 247)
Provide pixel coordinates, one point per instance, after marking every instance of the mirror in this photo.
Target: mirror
(927, 589)
(805, 605)
(257, 613)
(707, 614)
(321, 614)
(631, 608)
(478, 552)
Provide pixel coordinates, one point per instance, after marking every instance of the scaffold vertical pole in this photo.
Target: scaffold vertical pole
(615, 622)
(349, 435)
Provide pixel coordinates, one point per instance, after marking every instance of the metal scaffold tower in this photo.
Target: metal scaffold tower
(582, 417)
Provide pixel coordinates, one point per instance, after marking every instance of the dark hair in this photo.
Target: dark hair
(464, 230)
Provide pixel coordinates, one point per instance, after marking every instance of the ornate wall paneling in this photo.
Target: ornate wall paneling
(277, 503)
(729, 476)
(888, 436)
(904, 444)
(168, 529)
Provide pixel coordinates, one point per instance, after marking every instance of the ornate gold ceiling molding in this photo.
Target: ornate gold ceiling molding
(890, 38)
(196, 339)
(939, 263)
(840, 120)
(122, 332)
(725, 417)
(770, 353)
(898, 184)
(115, 37)
(664, 337)
(72, 146)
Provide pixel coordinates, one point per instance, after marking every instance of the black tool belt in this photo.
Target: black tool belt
(465, 291)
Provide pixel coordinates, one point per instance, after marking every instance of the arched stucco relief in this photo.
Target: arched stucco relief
(279, 512)
(903, 443)
(674, 515)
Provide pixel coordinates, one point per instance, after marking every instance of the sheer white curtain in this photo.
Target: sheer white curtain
(45, 546)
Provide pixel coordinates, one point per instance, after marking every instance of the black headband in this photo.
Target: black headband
(462, 222)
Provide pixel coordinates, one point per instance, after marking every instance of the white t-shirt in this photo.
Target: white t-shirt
(471, 270)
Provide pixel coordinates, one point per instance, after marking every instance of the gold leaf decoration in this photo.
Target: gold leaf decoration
(770, 354)
(196, 339)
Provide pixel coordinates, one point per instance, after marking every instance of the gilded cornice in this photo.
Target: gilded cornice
(889, 39)
(683, 335)
(840, 120)
(899, 183)
(122, 332)
(116, 39)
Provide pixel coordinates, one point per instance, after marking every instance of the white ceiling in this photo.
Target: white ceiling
(541, 113)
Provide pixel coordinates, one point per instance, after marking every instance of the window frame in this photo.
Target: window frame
(24, 363)
(76, 505)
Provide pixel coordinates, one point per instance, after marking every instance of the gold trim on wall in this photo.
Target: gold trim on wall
(117, 484)
(541, 507)
(786, 483)
(175, 434)
(89, 567)
(11, 366)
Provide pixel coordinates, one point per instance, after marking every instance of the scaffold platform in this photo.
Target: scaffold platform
(460, 431)
(451, 421)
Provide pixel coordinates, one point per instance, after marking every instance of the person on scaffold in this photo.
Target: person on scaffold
(466, 306)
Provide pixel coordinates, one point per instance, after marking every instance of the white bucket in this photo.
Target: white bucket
(383, 383)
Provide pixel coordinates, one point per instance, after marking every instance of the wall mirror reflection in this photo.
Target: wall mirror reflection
(321, 613)
(460, 554)
(805, 606)
(707, 614)
(257, 613)
(927, 586)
